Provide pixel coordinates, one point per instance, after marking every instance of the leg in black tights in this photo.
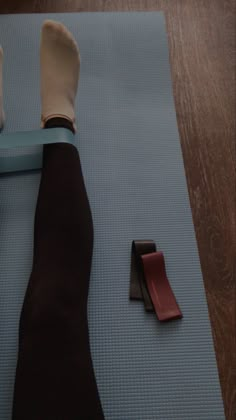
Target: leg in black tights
(54, 377)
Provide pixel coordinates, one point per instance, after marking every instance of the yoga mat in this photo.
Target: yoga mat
(132, 163)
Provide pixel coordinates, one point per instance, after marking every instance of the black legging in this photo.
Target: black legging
(54, 376)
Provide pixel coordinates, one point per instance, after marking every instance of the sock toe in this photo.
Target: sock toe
(56, 32)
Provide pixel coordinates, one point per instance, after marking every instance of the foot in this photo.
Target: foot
(1, 102)
(60, 64)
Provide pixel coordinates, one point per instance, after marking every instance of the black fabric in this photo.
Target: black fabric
(138, 287)
(59, 122)
(54, 377)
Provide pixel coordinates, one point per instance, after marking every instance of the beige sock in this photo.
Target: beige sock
(1, 101)
(60, 64)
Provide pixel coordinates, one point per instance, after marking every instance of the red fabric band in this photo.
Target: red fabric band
(162, 296)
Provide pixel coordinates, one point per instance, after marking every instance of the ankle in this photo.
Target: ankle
(59, 121)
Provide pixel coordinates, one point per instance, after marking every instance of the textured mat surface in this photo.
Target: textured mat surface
(132, 163)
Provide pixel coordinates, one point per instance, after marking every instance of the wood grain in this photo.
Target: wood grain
(201, 37)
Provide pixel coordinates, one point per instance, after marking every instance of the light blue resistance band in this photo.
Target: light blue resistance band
(28, 162)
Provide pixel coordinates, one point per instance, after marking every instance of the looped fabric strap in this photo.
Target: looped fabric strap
(138, 287)
(149, 282)
(31, 161)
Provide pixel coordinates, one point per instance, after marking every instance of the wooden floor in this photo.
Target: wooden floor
(202, 49)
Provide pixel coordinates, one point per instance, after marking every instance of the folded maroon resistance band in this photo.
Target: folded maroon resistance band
(149, 282)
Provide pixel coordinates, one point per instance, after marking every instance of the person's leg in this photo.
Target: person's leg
(54, 377)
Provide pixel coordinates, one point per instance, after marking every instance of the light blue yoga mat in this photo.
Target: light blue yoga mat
(132, 163)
